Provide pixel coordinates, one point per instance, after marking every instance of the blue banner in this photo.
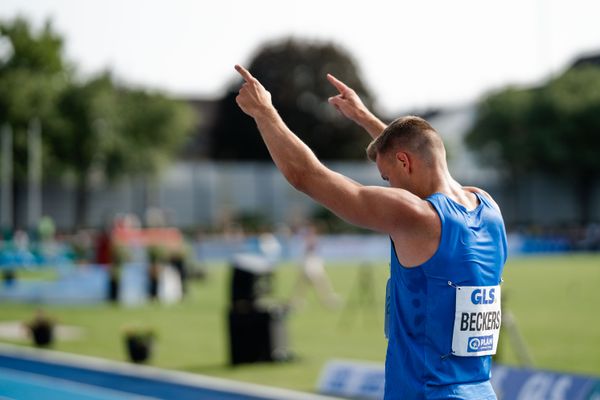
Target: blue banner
(362, 380)
(531, 384)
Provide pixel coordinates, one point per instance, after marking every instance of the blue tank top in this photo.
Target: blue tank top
(421, 310)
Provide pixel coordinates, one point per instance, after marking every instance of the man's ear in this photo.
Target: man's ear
(403, 159)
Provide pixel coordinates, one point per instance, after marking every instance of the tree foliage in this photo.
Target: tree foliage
(294, 72)
(33, 51)
(88, 126)
(553, 129)
(32, 77)
(115, 131)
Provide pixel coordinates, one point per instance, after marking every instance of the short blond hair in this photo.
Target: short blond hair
(412, 133)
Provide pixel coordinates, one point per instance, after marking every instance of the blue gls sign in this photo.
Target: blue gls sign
(483, 296)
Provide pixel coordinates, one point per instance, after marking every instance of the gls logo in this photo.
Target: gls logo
(482, 296)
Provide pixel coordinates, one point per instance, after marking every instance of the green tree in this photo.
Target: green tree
(115, 132)
(553, 129)
(88, 126)
(88, 122)
(155, 127)
(33, 75)
(294, 72)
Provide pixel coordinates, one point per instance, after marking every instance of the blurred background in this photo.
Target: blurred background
(142, 219)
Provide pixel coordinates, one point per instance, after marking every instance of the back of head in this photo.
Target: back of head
(412, 134)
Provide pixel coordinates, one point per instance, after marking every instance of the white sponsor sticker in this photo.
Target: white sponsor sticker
(476, 321)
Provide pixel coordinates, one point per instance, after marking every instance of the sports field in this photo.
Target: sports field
(555, 300)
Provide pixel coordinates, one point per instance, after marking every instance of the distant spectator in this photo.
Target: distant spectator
(103, 247)
(179, 263)
(312, 273)
(155, 259)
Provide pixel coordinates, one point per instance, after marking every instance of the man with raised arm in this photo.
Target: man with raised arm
(448, 244)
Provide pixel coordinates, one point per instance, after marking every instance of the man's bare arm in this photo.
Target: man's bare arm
(383, 209)
(351, 106)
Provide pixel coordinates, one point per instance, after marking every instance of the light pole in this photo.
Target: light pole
(34, 174)
(6, 199)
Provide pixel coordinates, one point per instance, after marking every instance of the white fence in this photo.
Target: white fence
(202, 193)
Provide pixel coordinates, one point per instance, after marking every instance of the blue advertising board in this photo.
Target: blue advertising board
(362, 380)
(531, 384)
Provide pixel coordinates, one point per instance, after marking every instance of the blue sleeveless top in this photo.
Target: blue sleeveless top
(419, 361)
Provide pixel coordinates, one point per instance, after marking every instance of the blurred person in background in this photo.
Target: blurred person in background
(155, 266)
(104, 246)
(312, 273)
(178, 260)
(448, 244)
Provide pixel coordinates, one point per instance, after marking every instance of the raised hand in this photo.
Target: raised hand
(253, 98)
(347, 102)
(351, 106)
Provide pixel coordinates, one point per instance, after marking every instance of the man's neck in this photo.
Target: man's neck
(439, 180)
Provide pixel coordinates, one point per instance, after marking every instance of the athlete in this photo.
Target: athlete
(448, 244)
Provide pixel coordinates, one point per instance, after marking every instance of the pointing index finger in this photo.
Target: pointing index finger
(244, 73)
(339, 85)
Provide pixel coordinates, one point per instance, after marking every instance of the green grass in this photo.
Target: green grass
(555, 301)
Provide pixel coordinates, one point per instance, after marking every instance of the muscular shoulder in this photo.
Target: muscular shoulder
(419, 215)
(474, 189)
(417, 244)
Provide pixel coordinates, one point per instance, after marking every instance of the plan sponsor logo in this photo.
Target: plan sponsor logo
(480, 343)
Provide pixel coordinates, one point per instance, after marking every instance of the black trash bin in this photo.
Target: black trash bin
(256, 333)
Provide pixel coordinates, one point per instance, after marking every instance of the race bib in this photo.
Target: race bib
(476, 321)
